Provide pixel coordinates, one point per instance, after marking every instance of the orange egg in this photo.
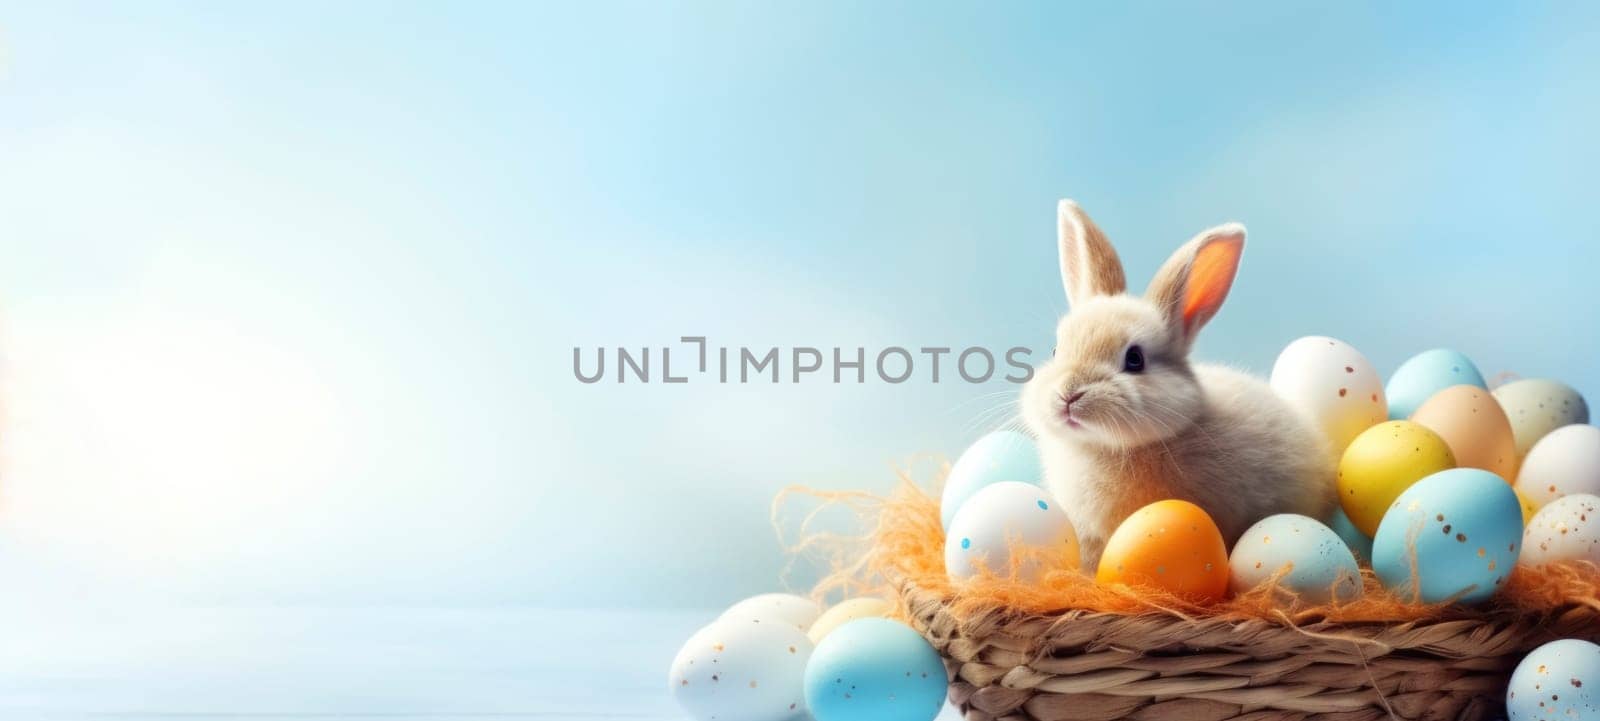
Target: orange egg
(1170, 545)
(1474, 425)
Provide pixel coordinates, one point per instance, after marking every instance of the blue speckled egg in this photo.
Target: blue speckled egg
(875, 669)
(1425, 374)
(1358, 542)
(1465, 525)
(1316, 564)
(1559, 680)
(999, 456)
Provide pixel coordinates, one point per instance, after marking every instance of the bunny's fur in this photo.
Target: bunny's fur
(1115, 439)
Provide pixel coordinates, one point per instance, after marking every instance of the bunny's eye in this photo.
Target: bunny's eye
(1133, 362)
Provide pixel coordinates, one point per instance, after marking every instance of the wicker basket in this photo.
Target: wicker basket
(1077, 665)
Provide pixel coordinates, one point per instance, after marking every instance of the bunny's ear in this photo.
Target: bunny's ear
(1089, 266)
(1192, 284)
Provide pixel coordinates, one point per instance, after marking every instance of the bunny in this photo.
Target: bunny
(1123, 419)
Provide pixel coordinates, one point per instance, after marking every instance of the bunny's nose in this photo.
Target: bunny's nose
(1066, 408)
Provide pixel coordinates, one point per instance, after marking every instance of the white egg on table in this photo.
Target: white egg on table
(798, 611)
(1568, 529)
(1010, 524)
(738, 668)
(1333, 385)
(1565, 461)
(1537, 406)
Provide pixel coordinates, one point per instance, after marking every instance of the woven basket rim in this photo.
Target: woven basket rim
(908, 588)
(1009, 664)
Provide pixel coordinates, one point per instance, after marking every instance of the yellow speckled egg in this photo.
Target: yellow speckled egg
(1473, 423)
(1382, 463)
(1169, 545)
(1528, 508)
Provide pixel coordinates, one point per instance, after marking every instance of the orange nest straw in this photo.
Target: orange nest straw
(905, 540)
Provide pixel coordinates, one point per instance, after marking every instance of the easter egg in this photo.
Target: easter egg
(741, 669)
(1557, 681)
(1331, 383)
(1462, 527)
(1565, 461)
(1010, 527)
(1528, 508)
(1425, 374)
(1169, 545)
(1382, 463)
(1568, 529)
(999, 456)
(1315, 563)
(1360, 543)
(797, 611)
(1536, 406)
(1470, 420)
(845, 612)
(875, 669)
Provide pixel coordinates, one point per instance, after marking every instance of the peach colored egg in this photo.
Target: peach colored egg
(1168, 545)
(1474, 425)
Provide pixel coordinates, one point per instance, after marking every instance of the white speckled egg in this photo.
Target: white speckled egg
(741, 670)
(1008, 517)
(1317, 564)
(1566, 530)
(845, 612)
(999, 456)
(1565, 461)
(787, 608)
(1559, 681)
(1333, 384)
(1458, 530)
(1536, 406)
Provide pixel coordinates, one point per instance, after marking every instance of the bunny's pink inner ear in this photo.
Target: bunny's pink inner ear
(1210, 277)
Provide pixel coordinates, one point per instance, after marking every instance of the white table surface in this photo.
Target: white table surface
(298, 663)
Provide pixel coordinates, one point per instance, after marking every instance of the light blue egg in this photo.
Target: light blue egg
(1559, 680)
(1358, 542)
(1425, 374)
(999, 456)
(1466, 527)
(875, 669)
(1314, 561)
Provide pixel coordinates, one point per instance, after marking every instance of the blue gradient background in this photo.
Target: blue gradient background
(290, 293)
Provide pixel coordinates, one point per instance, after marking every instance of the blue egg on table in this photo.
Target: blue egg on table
(875, 669)
(1425, 374)
(1559, 680)
(1304, 556)
(1464, 526)
(1358, 542)
(999, 456)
